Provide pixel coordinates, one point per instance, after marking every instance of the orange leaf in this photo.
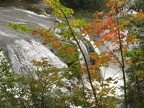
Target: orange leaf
(107, 5)
(95, 20)
(109, 79)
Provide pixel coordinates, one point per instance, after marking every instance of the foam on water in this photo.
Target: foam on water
(22, 52)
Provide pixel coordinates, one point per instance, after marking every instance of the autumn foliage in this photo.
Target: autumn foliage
(117, 33)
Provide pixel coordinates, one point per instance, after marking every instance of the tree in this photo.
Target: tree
(84, 4)
(118, 31)
(34, 89)
(135, 69)
(135, 78)
(118, 36)
(137, 5)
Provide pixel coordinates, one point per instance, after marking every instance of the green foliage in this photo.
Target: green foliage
(58, 9)
(39, 89)
(140, 4)
(135, 74)
(20, 27)
(137, 5)
(135, 70)
(4, 65)
(38, 85)
(69, 53)
(84, 86)
(8, 85)
(84, 4)
(84, 14)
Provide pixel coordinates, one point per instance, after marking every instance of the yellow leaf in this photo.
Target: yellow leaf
(140, 79)
(72, 11)
(106, 89)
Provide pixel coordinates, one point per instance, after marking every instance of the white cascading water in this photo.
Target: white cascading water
(22, 52)
(23, 47)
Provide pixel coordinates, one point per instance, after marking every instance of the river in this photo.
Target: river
(21, 48)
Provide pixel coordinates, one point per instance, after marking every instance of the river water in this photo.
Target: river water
(22, 48)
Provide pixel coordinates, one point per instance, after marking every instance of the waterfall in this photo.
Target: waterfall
(21, 52)
(22, 48)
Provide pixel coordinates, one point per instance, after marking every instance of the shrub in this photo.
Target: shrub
(84, 4)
